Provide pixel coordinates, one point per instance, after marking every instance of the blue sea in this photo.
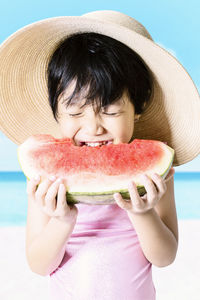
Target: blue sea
(13, 200)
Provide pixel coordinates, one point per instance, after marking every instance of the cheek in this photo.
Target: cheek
(68, 129)
(131, 126)
(123, 129)
(128, 128)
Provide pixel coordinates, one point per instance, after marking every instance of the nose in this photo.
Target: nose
(94, 125)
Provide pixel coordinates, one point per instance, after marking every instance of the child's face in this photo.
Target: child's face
(83, 125)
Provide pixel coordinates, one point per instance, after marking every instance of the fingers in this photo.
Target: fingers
(61, 201)
(160, 185)
(42, 191)
(54, 201)
(32, 185)
(155, 189)
(50, 195)
(151, 191)
(63, 210)
(121, 202)
(137, 202)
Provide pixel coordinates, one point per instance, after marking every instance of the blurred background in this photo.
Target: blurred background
(174, 25)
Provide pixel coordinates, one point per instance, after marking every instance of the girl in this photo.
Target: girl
(99, 252)
(108, 82)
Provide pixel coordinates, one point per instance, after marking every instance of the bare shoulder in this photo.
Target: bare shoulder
(166, 207)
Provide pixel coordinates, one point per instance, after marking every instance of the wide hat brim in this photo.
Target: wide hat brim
(173, 115)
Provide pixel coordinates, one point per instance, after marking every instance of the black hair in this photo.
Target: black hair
(105, 67)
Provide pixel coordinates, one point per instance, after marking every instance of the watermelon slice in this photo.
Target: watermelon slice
(92, 174)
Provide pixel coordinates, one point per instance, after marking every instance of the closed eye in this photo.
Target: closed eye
(111, 114)
(75, 115)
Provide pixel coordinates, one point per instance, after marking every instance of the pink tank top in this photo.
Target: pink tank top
(103, 259)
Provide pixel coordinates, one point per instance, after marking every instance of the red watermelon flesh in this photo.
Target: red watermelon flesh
(93, 174)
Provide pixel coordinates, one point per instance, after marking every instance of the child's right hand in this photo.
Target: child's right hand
(50, 196)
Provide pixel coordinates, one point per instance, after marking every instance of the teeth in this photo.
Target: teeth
(93, 144)
(97, 144)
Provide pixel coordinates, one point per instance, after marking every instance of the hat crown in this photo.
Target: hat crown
(121, 19)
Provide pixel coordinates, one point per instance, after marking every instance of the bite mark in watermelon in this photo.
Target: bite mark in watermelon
(93, 174)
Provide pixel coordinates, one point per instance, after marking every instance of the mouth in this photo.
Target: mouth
(94, 143)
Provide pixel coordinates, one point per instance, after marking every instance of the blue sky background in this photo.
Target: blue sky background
(174, 24)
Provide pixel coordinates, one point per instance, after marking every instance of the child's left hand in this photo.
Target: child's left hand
(155, 188)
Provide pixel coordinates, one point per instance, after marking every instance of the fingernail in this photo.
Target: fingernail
(154, 175)
(130, 185)
(117, 194)
(52, 178)
(37, 178)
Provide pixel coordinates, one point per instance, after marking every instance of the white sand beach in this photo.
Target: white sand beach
(179, 281)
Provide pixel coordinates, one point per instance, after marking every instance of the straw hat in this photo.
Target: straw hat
(173, 115)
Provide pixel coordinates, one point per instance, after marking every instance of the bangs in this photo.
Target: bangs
(100, 91)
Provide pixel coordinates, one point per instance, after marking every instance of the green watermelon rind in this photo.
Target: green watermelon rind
(100, 198)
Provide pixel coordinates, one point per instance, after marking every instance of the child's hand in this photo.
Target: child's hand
(50, 196)
(155, 188)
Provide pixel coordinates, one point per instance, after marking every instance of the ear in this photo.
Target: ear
(136, 118)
